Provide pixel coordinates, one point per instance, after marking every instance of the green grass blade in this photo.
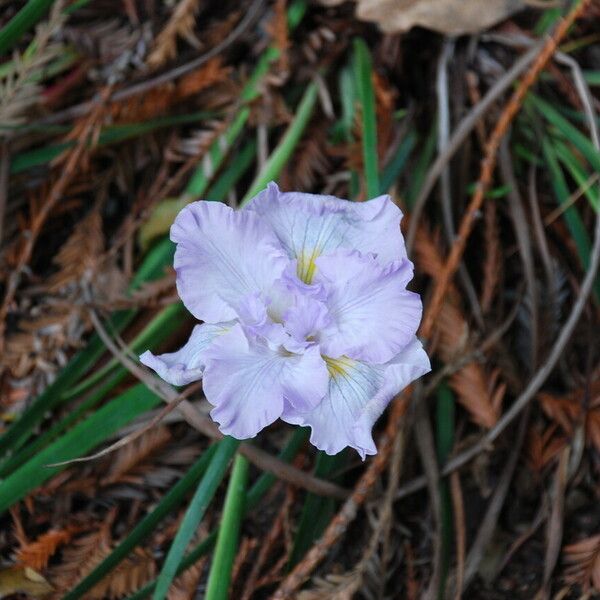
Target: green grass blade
(363, 73)
(219, 576)
(577, 172)
(194, 514)
(258, 490)
(219, 149)
(83, 437)
(567, 130)
(22, 22)
(570, 214)
(262, 485)
(288, 143)
(419, 171)
(111, 135)
(146, 526)
(398, 162)
(165, 212)
(20, 431)
(153, 334)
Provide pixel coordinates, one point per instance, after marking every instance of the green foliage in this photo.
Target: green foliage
(229, 532)
(204, 494)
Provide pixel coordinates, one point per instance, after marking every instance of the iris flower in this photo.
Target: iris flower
(306, 315)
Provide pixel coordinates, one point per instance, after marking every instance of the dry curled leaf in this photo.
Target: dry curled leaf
(576, 406)
(23, 580)
(86, 553)
(452, 17)
(583, 558)
(37, 554)
(181, 24)
(478, 390)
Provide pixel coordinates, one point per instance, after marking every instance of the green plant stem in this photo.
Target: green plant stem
(26, 18)
(262, 485)
(290, 140)
(146, 526)
(219, 576)
(194, 514)
(363, 71)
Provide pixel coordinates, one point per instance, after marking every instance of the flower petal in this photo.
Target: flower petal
(309, 225)
(373, 315)
(358, 394)
(401, 371)
(247, 382)
(187, 364)
(222, 256)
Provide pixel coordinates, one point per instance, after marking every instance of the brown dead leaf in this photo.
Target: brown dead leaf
(583, 558)
(452, 17)
(37, 554)
(477, 389)
(569, 409)
(23, 580)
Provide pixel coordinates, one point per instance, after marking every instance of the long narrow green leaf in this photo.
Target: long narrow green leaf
(219, 576)
(567, 130)
(26, 18)
(162, 216)
(153, 334)
(83, 437)
(419, 170)
(288, 143)
(111, 135)
(577, 172)
(165, 213)
(260, 487)
(157, 330)
(570, 214)
(363, 72)
(398, 162)
(20, 431)
(146, 526)
(204, 494)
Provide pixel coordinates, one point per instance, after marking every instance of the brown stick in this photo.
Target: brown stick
(489, 162)
(349, 510)
(263, 460)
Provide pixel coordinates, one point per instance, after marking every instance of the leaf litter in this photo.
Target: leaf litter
(111, 93)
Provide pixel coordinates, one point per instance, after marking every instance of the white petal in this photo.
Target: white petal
(373, 315)
(310, 225)
(187, 364)
(222, 256)
(247, 383)
(358, 394)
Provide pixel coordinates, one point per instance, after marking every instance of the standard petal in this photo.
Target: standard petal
(310, 225)
(373, 315)
(247, 383)
(358, 394)
(223, 256)
(187, 364)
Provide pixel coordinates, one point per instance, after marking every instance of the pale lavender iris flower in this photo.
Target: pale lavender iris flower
(306, 314)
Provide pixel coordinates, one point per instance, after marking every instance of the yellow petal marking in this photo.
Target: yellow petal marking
(339, 367)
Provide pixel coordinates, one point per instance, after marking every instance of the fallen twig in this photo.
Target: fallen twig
(263, 460)
(349, 510)
(488, 164)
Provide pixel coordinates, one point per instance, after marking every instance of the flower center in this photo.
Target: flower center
(339, 367)
(307, 266)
